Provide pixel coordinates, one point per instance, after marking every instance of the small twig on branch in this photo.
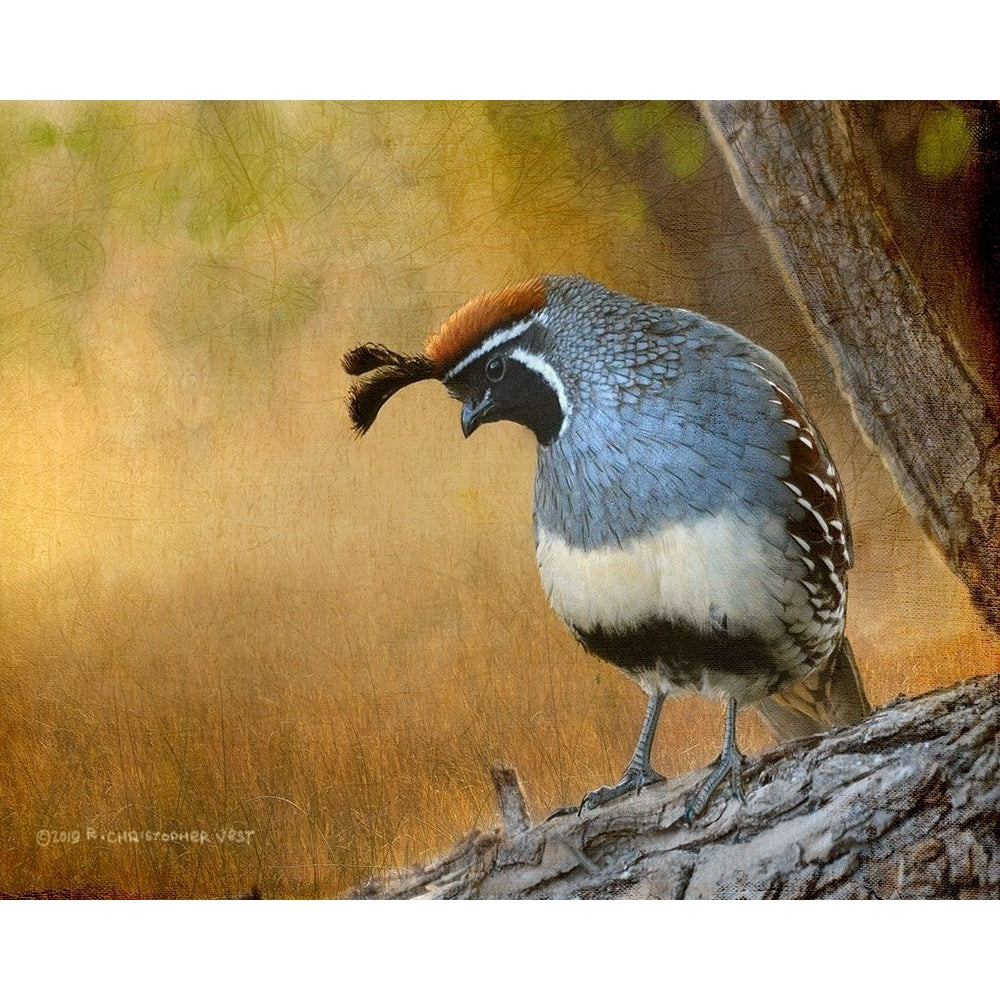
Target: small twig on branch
(513, 811)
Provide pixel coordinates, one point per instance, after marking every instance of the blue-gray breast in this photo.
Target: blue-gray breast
(690, 525)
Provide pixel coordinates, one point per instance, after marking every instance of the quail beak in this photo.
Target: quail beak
(474, 414)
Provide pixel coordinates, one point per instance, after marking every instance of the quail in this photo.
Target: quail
(690, 526)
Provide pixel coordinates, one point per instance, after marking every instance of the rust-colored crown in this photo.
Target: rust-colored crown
(460, 333)
(480, 317)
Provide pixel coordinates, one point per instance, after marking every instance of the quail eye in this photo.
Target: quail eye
(495, 369)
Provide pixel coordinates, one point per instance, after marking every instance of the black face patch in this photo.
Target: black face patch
(511, 391)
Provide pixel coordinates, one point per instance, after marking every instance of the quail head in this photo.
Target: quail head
(690, 526)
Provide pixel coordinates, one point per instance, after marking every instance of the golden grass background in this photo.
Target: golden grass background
(220, 611)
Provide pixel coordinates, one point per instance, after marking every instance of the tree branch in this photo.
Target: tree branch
(903, 805)
(797, 171)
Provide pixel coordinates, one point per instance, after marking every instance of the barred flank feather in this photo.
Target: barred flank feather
(368, 396)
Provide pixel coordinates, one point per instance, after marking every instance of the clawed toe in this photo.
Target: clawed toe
(564, 811)
(633, 780)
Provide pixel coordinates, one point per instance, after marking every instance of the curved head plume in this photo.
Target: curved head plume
(394, 372)
(465, 330)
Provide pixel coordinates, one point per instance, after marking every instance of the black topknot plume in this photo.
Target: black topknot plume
(396, 372)
(366, 357)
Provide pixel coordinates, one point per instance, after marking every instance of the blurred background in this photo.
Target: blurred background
(223, 613)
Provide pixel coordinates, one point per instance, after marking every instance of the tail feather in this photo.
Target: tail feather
(830, 697)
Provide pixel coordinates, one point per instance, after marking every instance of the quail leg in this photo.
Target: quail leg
(730, 763)
(639, 772)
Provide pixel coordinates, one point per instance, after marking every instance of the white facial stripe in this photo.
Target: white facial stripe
(490, 343)
(540, 365)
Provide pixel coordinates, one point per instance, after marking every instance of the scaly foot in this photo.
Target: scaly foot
(634, 779)
(637, 775)
(730, 763)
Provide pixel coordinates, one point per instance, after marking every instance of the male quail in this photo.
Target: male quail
(690, 526)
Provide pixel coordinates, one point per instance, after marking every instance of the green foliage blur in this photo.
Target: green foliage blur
(228, 226)
(206, 188)
(233, 227)
(671, 126)
(944, 142)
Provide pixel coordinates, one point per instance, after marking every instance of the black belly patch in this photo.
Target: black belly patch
(682, 653)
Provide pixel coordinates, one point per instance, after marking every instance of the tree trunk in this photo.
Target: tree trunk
(904, 805)
(797, 171)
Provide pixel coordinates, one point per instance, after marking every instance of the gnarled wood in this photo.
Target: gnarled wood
(906, 804)
(797, 171)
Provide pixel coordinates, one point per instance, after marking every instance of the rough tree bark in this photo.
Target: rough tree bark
(904, 805)
(797, 170)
